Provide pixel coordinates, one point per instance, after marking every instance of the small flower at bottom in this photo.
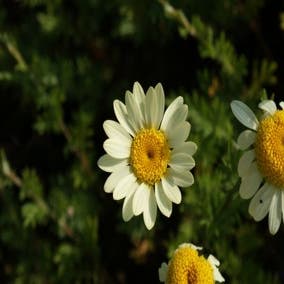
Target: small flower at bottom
(261, 167)
(188, 267)
(147, 153)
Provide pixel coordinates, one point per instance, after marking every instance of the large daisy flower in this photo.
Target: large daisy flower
(188, 267)
(147, 155)
(261, 167)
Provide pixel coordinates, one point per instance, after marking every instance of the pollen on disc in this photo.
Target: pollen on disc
(149, 156)
(269, 148)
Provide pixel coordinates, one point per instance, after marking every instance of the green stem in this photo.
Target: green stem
(22, 65)
(179, 16)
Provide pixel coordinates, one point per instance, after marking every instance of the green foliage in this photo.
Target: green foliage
(219, 49)
(263, 74)
(33, 212)
(31, 187)
(62, 63)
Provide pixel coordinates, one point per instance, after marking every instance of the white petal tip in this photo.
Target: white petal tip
(268, 106)
(244, 114)
(163, 270)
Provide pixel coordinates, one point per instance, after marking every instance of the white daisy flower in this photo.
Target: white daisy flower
(188, 267)
(147, 155)
(261, 167)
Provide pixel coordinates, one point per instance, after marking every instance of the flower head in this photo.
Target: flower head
(188, 267)
(261, 167)
(147, 155)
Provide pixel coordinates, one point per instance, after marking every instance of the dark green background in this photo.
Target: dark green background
(59, 226)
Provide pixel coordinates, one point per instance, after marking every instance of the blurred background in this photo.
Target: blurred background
(62, 63)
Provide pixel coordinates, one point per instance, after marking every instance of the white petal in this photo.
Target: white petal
(150, 104)
(150, 211)
(125, 187)
(177, 118)
(171, 190)
(170, 110)
(115, 177)
(181, 178)
(268, 106)
(179, 134)
(161, 102)
(140, 97)
(163, 271)
(140, 199)
(274, 217)
(191, 246)
(281, 105)
(259, 205)
(250, 182)
(182, 161)
(155, 103)
(218, 276)
(134, 111)
(122, 116)
(118, 149)
(115, 131)
(127, 211)
(245, 162)
(110, 164)
(164, 204)
(139, 93)
(215, 262)
(186, 147)
(244, 114)
(246, 139)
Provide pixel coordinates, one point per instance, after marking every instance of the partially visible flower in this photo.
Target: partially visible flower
(188, 267)
(147, 155)
(261, 167)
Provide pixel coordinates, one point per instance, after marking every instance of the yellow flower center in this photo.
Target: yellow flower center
(269, 148)
(149, 156)
(187, 267)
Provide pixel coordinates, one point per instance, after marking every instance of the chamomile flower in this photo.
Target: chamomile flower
(261, 167)
(147, 153)
(188, 267)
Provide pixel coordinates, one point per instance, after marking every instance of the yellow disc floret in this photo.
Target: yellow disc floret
(149, 156)
(269, 148)
(187, 267)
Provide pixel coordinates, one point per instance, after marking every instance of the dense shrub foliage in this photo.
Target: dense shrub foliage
(62, 63)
